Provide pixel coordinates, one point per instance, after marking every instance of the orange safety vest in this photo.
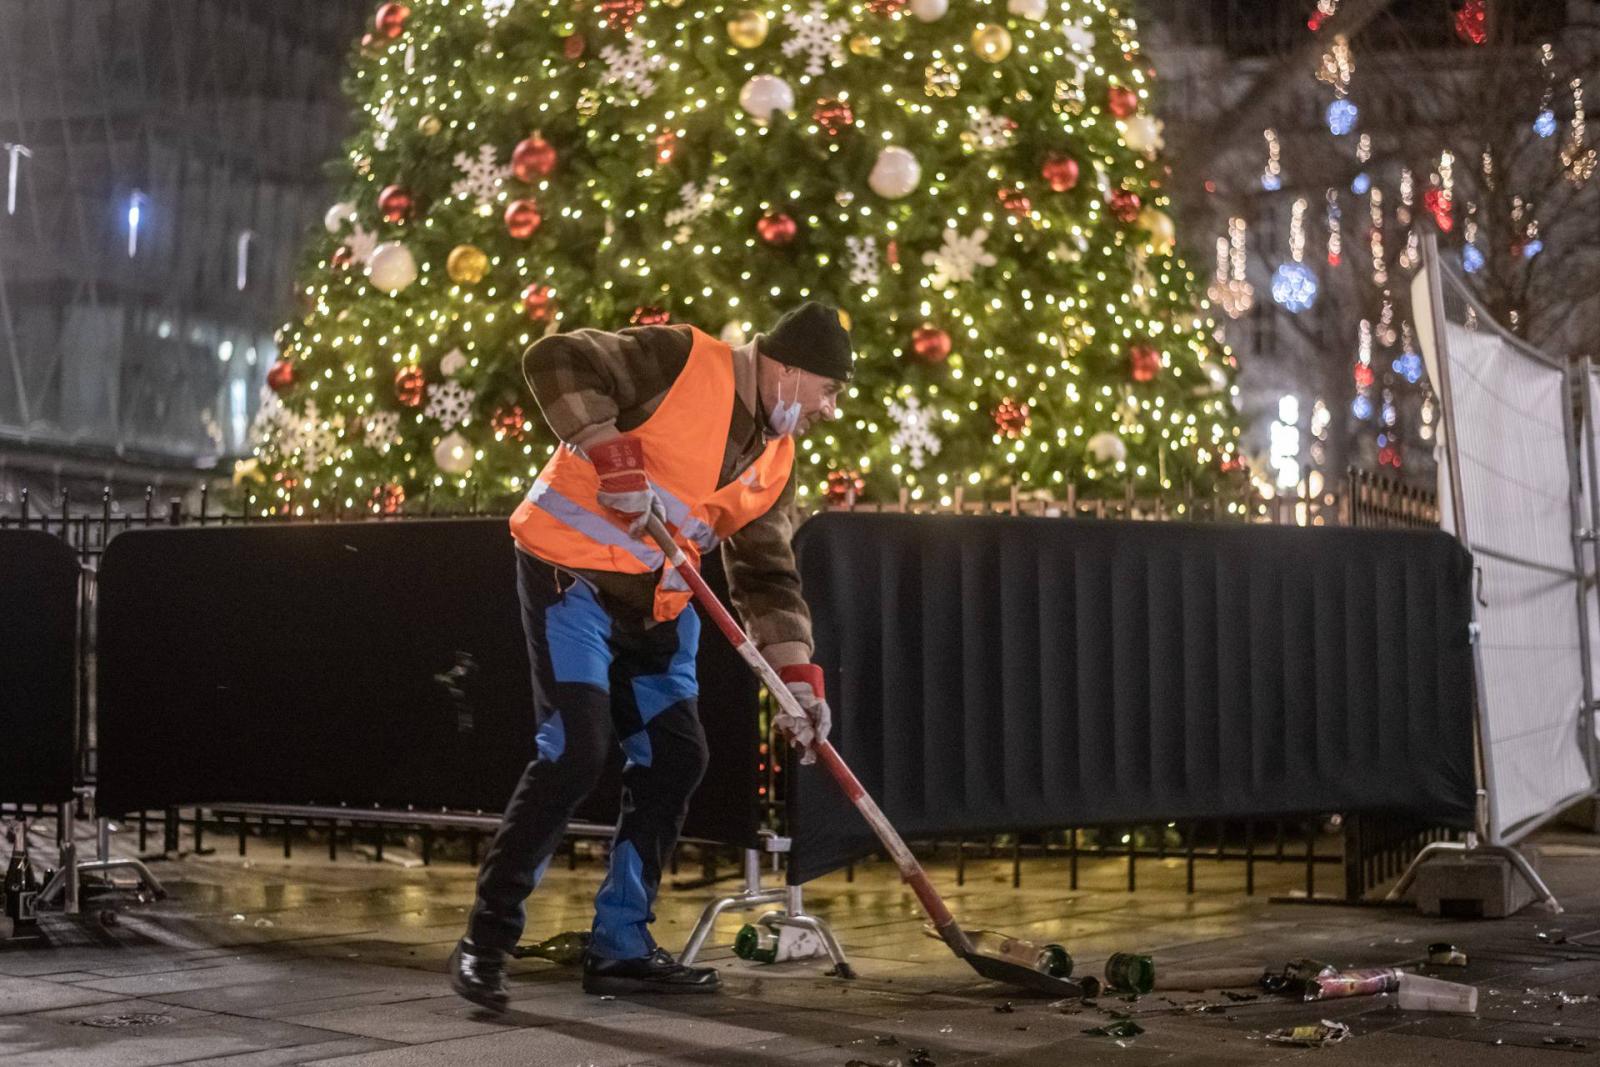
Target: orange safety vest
(684, 441)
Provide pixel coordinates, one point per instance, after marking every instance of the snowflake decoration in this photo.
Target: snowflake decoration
(864, 268)
(698, 200)
(988, 131)
(495, 10)
(915, 434)
(821, 40)
(450, 403)
(361, 243)
(386, 120)
(631, 69)
(274, 424)
(382, 429)
(958, 258)
(1079, 39)
(482, 177)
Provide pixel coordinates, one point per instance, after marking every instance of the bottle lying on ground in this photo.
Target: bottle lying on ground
(762, 944)
(565, 949)
(1052, 959)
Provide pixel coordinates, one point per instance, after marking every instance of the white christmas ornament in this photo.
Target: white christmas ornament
(453, 454)
(338, 215)
(391, 267)
(481, 178)
(1142, 133)
(381, 429)
(864, 262)
(958, 258)
(895, 174)
(1107, 447)
(361, 243)
(821, 40)
(450, 403)
(1028, 9)
(915, 434)
(929, 10)
(452, 363)
(631, 69)
(764, 94)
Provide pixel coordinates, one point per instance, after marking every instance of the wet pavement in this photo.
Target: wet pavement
(262, 961)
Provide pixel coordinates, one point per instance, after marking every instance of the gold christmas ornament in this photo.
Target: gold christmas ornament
(429, 125)
(588, 103)
(748, 29)
(467, 264)
(942, 79)
(991, 41)
(862, 45)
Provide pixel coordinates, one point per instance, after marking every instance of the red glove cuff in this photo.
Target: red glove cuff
(620, 463)
(809, 673)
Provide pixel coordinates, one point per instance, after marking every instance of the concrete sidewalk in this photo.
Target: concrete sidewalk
(262, 961)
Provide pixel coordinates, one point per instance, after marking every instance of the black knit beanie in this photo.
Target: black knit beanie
(813, 338)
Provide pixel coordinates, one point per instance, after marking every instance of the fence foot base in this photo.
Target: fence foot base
(1517, 861)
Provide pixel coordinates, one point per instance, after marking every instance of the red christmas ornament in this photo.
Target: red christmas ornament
(507, 422)
(410, 386)
(1123, 204)
(388, 499)
(1472, 25)
(1144, 361)
(572, 45)
(367, 42)
(621, 14)
(342, 257)
(1363, 376)
(281, 375)
(776, 228)
(533, 158)
(1011, 418)
(522, 218)
(649, 315)
(930, 344)
(1318, 17)
(666, 146)
(391, 19)
(885, 8)
(891, 253)
(845, 487)
(536, 301)
(1439, 207)
(1061, 172)
(1122, 101)
(832, 115)
(395, 203)
(1016, 202)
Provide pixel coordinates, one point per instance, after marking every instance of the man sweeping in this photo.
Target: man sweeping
(670, 420)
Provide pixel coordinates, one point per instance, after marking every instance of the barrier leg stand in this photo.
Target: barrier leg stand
(797, 917)
(751, 896)
(66, 879)
(1518, 861)
(67, 860)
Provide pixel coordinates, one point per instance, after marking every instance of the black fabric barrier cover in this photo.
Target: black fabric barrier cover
(38, 680)
(1010, 674)
(297, 664)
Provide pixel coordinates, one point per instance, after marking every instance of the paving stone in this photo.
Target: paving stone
(19, 995)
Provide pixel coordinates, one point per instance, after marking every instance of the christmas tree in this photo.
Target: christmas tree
(977, 186)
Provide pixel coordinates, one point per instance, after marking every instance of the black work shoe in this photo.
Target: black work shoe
(479, 975)
(655, 973)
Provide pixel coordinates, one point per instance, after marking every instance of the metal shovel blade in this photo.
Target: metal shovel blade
(1016, 974)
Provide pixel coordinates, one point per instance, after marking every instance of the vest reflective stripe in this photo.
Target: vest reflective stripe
(591, 525)
(681, 519)
(684, 441)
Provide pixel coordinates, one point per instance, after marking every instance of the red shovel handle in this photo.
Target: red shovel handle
(829, 757)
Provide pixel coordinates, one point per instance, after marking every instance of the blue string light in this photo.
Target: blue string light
(1294, 286)
(1361, 408)
(1532, 248)
(1342, 116)
(1361, 184)
(1472, 259)
(1545, 124)
(1409, 365)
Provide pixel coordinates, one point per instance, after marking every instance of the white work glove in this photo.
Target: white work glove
(804, 681)
(624, 490)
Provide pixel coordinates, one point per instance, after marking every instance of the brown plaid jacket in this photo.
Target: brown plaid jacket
(590, 377)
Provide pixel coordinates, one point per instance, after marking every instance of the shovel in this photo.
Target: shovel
(990, 965)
